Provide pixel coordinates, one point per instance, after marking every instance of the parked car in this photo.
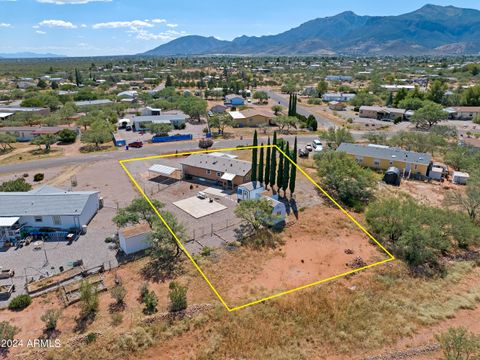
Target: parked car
(317, 145)
(136, 144)
(128, 128)
(201, 195)
(309, 148)
(303, 153)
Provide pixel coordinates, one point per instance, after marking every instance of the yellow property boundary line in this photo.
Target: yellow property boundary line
(391, 257)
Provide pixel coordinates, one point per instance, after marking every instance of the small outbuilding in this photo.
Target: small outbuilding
(392, 176)
(460, 178)
(134, 238)
(250, 190)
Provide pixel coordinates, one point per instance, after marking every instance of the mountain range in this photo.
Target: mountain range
(430, 30)
(29, 55)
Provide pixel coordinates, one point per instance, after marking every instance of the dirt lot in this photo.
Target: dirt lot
(309, 254)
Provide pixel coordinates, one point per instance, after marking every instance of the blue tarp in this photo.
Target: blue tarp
(159, 139)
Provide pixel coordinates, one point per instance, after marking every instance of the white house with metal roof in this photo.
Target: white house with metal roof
(45, 207)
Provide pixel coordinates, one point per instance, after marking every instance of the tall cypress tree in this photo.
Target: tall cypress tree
(293, 170)
(294, 105)
(280, 168)
(260, 166)
(254, 157)
(267, 165)
(290, 104)
(286, 169)
(273, 161)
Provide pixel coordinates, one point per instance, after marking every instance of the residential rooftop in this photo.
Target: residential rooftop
(385, 153)
(218, 163)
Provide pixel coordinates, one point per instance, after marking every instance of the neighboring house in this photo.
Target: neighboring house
(28, 133)
(21, 109)
(338, 78)
(149, 111)
(88, 103)
(129, 94)
(234, 100)
(336, 106)
(218, 109)
(463, 112)
(254, 190)
(340, 97)
(383, 157)
(45, 207)
(5, 116)
(395, 88)
(221, 169)
(175, 118)
(252, 118)
(382, 113)
(134, 238)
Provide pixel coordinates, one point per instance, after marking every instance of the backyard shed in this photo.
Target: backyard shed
(163, 170)
(134, 238)
(250, 190)
(460, 178)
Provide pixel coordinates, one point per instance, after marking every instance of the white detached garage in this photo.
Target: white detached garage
(134, 238)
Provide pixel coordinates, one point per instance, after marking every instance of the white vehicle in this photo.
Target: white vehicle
(309, 147)
(201, 195)
(317, 145)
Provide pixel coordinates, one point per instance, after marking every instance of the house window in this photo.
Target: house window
(208, 172)
(391, 162)
(38, 219)
(416, 166)
(219, 173)
(359, 159)
(376, 163)
(57, 220)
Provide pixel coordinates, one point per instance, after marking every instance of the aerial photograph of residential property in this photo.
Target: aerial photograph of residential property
(259, 180)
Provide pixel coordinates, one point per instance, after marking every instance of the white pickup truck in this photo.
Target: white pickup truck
(317, 145)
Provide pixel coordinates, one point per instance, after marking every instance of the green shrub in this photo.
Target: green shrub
(459, 344)
(150, 301)
(67, 136)
(50, 318)
(178, 296)
(7, 331)
(91, 337)
(38, 177)
(20, 302)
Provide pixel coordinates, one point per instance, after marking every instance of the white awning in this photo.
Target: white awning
(162, 169)
(8, 221)
(228, 176)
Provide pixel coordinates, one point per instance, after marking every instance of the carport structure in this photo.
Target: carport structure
(165, 171)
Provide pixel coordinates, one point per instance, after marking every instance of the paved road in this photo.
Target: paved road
(323, 122)
(149, 150)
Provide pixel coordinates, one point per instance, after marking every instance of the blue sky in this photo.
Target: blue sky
(116, 27)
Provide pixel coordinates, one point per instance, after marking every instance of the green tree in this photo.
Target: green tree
(178, 296)
(89, 299)
(150, 300)
(468, 201)
(78, 77)
(261, 165)
(253, 176)
(46, 140)
(100, 132)
(6, 141)
(322, 88)
(221, 121)
(411, 103)
(363, 98)
(273, 162)
(267, 164)
(262, 96)
(286, 169)
(193, 107)
(436, 93)
(401, 95)
(460, 157)
(17, 185)
(256, 212)
(279, 181)
(139, 210)
(286, 122)
(50, 318)
(67, 136)
(459, 344)
(337, 136)
(277, 109)
(160, 129)
(348, 181)
(169, 81)
(428, 115)
(41, 84)
(293, 170)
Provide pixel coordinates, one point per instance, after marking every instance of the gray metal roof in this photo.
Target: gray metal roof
(216, 163)
(252, 185)
(159, 119)
(385, 153)
(43, 201)
(93, 102)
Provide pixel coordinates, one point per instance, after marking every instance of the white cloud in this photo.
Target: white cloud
(57, 23)
(143, 34)
(134, 24)
(41, 32)
(5, 25)
(172, 25)
(159, 21)
(83, 25)
(70, 2)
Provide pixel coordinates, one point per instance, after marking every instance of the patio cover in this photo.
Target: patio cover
(228, 176)
(8, 221)
(162, 169)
